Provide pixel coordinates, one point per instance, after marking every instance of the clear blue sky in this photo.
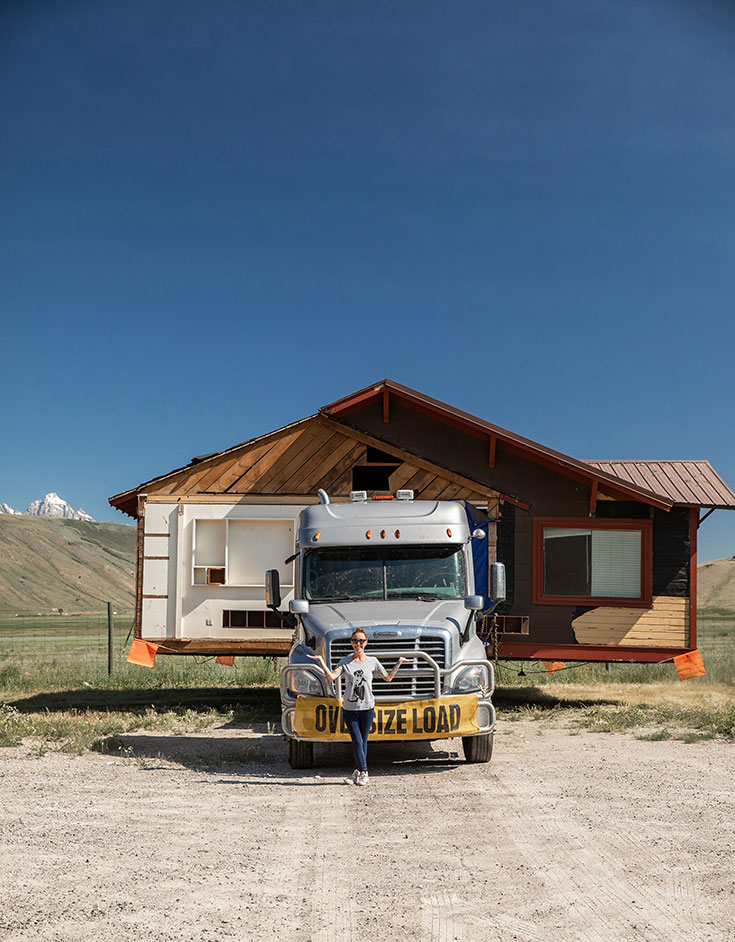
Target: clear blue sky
(218, 216)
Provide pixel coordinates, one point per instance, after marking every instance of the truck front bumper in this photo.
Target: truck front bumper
(317, 719)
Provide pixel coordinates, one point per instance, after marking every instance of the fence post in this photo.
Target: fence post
(110, 626)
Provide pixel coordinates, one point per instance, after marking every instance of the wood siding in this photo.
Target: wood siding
(665, 625)
(317, 452)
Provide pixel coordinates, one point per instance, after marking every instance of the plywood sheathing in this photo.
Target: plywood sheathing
(666, 624)
(302, 458)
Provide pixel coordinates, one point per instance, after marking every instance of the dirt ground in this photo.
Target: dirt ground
(565, 835)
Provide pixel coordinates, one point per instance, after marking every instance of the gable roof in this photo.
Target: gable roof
(387, 390)
(660, 483)
(298, 459)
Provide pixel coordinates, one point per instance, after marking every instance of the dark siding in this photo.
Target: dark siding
(547, 493)
(670, 543)
(506, 553)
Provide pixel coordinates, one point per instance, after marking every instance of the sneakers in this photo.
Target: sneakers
(362, 779)
(352, 779)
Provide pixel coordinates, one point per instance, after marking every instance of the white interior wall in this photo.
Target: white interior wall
(260, 537)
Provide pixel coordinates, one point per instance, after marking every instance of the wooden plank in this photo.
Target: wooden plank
(339, 481)
(664, 624)
(310, 440)
(273, 647)
(244, 483)
(245, 460)
(419, 480)
(401, 476)
(218, 469)
(183, 483)
(311, 475)
(434, 488)
(452, 491)
(139, 542)
(233, 500)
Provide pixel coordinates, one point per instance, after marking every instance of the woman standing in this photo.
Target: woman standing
(358, 704)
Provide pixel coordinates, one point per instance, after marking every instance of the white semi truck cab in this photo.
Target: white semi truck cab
(402, 570)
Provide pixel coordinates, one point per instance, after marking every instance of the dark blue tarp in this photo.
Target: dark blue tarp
(477, 518)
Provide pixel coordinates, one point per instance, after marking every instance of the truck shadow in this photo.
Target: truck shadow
(258, 753)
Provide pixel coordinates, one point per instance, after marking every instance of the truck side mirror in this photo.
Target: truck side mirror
(298, 607)
(272, 589)
(475, 603)
(497, 582)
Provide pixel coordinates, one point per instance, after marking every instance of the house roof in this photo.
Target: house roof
(387, 390)
(660, 483)
(693, 483)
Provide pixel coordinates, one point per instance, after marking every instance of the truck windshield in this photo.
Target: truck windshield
(352, 574)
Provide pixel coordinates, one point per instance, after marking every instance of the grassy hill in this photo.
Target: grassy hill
(47, 564)
(716, 584)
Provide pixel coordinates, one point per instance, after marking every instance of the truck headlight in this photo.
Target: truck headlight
(470, 678)
(304, 682)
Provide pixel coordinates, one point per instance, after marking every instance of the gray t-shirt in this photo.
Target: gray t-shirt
(358, 677)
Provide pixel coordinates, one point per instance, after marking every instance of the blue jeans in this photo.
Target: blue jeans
(358, 723)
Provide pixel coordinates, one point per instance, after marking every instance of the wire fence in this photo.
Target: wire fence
(96, 639)
(70, 648)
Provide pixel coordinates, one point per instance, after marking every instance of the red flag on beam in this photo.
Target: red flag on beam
(143, 653)
(689, 665)
(227, 659)
(552, 666)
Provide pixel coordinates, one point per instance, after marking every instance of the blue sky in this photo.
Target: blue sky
(219, 216)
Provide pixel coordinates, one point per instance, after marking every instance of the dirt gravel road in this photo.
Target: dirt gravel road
(563, 836)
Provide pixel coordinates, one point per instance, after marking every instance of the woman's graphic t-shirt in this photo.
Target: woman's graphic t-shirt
(359, 682)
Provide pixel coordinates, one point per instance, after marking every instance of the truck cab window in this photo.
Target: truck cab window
(355, 573)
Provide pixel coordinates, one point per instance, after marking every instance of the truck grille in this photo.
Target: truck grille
(406, 685)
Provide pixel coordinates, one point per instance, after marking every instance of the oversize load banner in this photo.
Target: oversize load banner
(321, 718)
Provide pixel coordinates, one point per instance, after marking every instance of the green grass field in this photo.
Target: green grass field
(68, 651)
(55, 693)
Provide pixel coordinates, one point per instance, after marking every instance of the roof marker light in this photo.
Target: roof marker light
(449, 532)
(382, 534)
(316, 536)
(404, 495)
(398, 534)
(369, 535)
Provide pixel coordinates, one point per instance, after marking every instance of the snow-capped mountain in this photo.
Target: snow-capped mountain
(51, 506)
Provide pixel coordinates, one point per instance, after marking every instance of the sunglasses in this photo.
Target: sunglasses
(358, 640)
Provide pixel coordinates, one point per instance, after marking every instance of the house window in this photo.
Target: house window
(595, 561)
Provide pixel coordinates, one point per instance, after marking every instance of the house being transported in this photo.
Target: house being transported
(600, 555)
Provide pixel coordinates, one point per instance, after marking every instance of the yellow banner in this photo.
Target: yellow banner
(321, 718)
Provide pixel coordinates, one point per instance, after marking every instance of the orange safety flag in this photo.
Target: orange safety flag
(552, 666)
(143, 653)
(228, 660)
(689, 665)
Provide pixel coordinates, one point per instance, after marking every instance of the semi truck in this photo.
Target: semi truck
(402, 570)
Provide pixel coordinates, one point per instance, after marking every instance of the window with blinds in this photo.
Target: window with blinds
(597, 561)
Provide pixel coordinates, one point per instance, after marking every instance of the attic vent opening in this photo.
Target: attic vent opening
(376, 478)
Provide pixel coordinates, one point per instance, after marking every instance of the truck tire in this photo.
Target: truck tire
(478, 748)
(300, 754)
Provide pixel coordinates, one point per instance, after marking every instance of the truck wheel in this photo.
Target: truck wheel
(300, 754)
(478, 748)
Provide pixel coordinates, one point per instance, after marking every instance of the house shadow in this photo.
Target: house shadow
(512, 699)
(260, 704)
